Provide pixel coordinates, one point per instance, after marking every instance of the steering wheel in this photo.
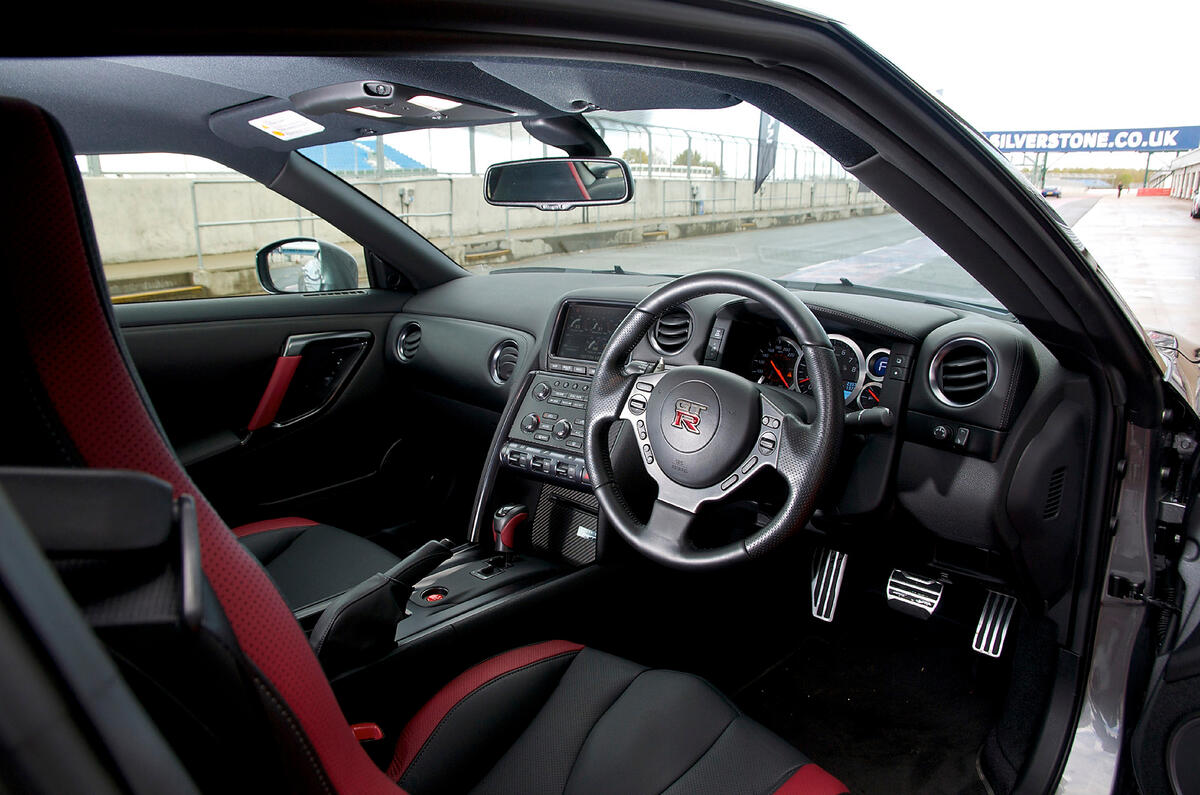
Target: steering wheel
(702, 432)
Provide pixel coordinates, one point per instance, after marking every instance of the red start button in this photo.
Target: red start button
(435, 594)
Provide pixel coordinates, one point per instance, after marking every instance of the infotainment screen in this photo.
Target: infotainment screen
(586, 329)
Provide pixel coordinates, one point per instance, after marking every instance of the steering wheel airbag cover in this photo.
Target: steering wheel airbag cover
(701, 421)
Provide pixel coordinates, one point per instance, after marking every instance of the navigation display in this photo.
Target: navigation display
(587, 328)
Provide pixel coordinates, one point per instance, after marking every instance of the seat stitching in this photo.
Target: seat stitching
(465, 698)
(301, 738)
(599, 718)
(779, 782)
(703, 753)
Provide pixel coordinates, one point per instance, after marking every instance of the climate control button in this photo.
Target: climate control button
(530, 422)
(562, 429)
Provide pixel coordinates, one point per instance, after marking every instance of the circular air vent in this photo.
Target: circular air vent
(962, 371)
(408, 342)
(503, 362)
(672, 332)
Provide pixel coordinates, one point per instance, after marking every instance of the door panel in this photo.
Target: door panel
(339, 444)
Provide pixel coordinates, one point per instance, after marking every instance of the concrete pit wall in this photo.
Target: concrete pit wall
(147, 226)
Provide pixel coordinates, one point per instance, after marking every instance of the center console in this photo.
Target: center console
(546, 435)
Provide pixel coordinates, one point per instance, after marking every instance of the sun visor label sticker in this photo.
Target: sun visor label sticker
(287, 125)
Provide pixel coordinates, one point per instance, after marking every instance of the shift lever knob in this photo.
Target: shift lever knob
(505, 522)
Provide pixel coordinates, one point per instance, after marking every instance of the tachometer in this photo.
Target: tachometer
(851, 367)
(775, 363)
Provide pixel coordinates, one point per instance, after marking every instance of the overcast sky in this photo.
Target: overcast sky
(1044, 65)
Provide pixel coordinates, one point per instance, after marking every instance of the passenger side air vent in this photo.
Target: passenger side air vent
(503, 362)
(963, 371)
(1054, 494)
(408, 342)
(672, 332)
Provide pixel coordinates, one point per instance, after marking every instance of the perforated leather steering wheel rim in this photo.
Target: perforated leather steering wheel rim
(804, 453)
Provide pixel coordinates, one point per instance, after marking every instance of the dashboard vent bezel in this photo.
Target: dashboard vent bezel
(679, 315)
(498, 360)
(939, 361)
(406, 345)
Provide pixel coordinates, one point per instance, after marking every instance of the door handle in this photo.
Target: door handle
(288, 364)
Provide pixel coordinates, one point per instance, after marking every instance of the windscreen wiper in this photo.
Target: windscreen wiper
(617, 269)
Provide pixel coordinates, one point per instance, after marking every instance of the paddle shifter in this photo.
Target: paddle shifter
(505, 522)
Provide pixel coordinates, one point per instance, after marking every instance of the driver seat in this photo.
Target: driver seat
(554, 717)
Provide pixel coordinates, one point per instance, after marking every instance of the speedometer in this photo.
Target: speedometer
(851, 368)
(775, 363)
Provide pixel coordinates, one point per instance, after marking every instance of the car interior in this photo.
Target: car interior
(695, 534)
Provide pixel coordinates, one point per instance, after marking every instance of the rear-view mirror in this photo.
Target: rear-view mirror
(559, 183)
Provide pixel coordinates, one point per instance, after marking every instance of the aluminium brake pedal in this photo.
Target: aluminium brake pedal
(993, 624)
(828, 567)
(912, 594)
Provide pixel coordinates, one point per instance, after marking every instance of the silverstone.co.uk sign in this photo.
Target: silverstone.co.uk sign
(1132, 139)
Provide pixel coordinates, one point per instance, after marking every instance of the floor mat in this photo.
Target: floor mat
(887, 703)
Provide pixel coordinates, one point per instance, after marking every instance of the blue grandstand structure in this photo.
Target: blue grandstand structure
(358, 157)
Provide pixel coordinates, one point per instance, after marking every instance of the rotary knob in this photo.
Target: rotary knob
(530, 422)
(541, 391)
(562, 429)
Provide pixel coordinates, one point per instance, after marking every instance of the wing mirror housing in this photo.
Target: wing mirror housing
(558, 183)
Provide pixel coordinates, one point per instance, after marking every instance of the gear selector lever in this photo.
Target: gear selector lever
(505, 522)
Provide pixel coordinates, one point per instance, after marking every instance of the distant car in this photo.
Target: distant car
(1055, 192)
(1196, 204)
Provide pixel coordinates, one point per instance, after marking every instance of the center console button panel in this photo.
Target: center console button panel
(547, 437)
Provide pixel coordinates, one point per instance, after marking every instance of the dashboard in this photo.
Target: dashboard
(982, 449)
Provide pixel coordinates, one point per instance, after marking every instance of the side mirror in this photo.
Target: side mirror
(305, 265)
(558, 183)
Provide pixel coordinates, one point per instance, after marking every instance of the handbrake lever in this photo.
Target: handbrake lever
(360, 625)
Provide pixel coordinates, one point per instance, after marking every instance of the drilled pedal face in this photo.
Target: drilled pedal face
(829, 566)
(913, 594)
(994, 620)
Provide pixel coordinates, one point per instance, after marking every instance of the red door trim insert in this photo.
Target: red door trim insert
(268, 405)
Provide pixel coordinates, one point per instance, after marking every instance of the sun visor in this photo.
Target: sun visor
(346, 111)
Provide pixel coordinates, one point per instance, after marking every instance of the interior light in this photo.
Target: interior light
(378, 114)
(437, 104)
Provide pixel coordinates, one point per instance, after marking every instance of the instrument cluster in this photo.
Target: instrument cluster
(780, 362)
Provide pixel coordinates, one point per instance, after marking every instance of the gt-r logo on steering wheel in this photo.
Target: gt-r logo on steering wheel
(687, 415)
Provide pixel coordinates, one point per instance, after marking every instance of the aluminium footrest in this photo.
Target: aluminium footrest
(829, 566)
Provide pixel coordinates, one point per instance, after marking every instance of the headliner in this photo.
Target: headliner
(166, 103)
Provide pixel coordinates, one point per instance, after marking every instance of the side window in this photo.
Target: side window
(174, 227)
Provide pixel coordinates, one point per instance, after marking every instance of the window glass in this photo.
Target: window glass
(695, 204)
(172, 226)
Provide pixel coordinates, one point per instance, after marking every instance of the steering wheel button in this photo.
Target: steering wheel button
(729, 481)
(637, 404)
(750, 464)
(645, 387)
(766, 443)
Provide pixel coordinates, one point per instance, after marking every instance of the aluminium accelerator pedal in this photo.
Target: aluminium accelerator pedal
(994, 620)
